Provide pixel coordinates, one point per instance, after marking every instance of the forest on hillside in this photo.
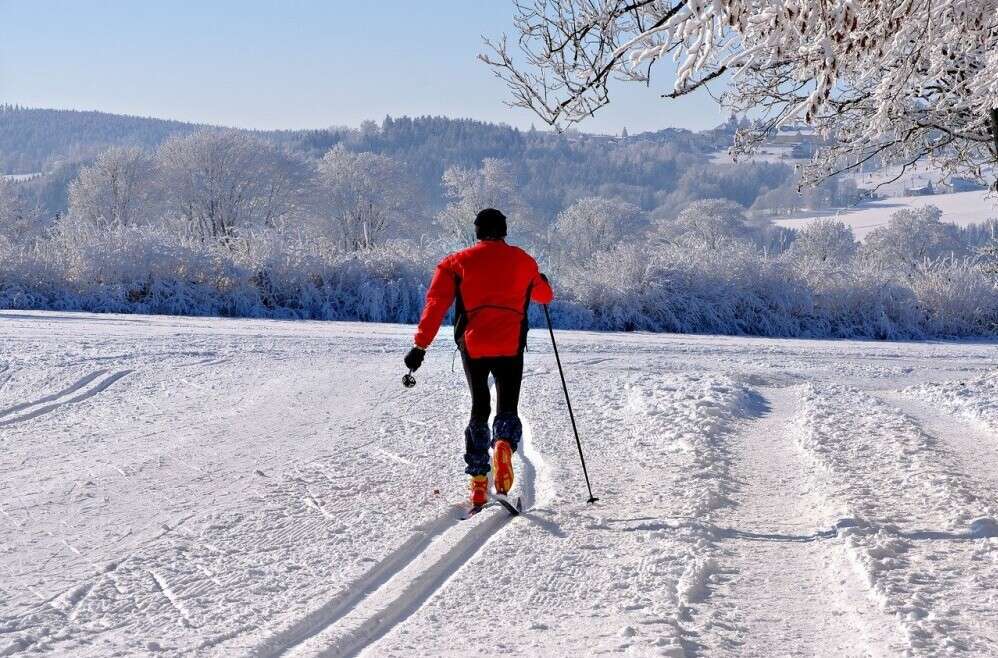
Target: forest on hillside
(660, 172)
(643, 232)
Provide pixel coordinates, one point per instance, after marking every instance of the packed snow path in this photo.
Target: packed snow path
(212, 487)
(787, 581)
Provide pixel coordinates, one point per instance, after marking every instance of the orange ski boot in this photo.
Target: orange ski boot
(479, 486)
(502, 466)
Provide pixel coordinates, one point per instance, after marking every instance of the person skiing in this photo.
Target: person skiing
(492, 284)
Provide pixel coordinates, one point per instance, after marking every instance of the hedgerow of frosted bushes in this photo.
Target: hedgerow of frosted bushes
(265, 274)
(729, 288)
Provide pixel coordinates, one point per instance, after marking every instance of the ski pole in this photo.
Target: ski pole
(408, 380)
(568, 402)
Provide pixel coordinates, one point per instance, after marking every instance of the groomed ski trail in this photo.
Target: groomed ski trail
(790, 588)
(393, 590)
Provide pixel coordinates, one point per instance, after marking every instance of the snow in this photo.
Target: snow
(960, 208)
(220, 487)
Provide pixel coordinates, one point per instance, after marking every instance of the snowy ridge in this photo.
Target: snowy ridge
(975, 398)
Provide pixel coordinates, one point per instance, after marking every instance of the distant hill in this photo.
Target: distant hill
(552, 169)
(34, 140)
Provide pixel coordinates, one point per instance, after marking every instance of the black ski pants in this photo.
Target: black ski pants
(508, 373)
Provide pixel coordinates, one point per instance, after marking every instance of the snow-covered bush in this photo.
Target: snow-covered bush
(988, 255)
(115, 189)
(709, 281)
(913, 237)
(957, 299)
(730, 287)
(223, 181)
(19, 217)
(592, 225)
(858, 302)
(266, 273)
(682, 289)
(361, 193)
(823, 244)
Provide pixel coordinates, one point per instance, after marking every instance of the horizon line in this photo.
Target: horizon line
(546, 129)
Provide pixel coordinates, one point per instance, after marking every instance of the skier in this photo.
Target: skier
(493, 284)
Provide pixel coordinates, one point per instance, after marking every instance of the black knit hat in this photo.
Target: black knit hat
(490, 224)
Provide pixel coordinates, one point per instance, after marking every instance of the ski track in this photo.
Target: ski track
(969, 443)
(80, 383)
(60, 398)
(390, 592)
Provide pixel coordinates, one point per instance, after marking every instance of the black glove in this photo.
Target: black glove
(414, 358)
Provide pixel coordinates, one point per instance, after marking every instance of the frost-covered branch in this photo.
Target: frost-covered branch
(902, 79)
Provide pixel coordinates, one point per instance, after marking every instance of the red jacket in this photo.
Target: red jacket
(493, 283)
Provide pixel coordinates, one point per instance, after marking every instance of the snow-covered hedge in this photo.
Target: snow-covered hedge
(734, 290)
(725, 287)
(150, 269)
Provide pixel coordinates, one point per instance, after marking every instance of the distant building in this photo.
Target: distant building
(925, 190)
(865, 194)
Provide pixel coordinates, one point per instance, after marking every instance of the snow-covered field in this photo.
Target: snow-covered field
(216, 487)
(960, 208)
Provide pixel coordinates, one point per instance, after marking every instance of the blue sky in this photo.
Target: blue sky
(291, 64)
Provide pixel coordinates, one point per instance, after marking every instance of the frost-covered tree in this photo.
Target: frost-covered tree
(493, 185)
(708, 224)
(824, 242)
(223, 181)
(897, 80)
(989, 260)
(363, 192)
(593, 225)
(20, 218)
(114, 190)
(913, 237)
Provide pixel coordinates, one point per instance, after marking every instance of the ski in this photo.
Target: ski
(514, 510)
(506, 503)
(475, 509)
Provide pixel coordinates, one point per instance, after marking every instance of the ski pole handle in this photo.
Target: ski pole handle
(408, 380)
